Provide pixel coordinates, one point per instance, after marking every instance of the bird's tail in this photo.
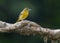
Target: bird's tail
(18, 20)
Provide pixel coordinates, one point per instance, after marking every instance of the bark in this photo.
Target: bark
(26, 27)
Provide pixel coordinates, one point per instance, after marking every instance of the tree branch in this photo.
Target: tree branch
(26, 27)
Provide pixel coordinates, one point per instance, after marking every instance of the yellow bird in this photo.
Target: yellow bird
(24, 14)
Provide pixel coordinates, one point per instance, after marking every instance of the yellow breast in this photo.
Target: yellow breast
(24, 14)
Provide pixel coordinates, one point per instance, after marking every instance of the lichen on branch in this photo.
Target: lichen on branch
(26, 27)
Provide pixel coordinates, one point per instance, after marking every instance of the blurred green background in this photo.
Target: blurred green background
(44, 12)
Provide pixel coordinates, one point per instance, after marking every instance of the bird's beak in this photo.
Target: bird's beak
(29, 9)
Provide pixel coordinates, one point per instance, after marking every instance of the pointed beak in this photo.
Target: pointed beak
(29, 9)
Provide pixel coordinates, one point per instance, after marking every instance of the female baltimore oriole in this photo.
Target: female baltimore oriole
(24, 14)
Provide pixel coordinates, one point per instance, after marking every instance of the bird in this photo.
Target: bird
(24, 14)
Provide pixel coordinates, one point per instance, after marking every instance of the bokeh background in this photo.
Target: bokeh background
(44, 12)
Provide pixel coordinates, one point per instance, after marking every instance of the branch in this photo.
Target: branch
(26, 27)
